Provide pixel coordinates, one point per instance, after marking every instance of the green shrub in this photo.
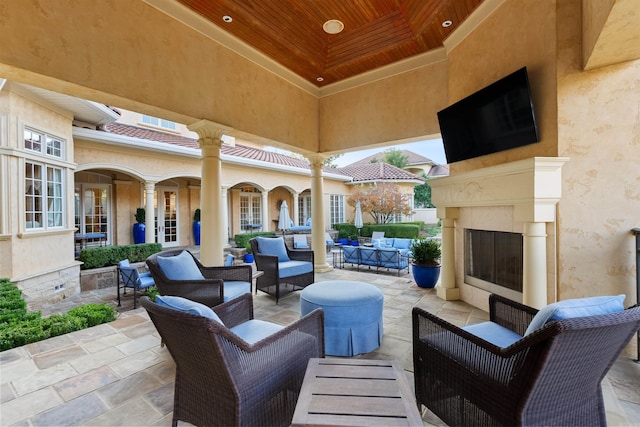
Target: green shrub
(19, 327)
(111, 255)
(406, 230)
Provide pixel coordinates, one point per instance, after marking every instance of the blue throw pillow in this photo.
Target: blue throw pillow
(180, 267)
(187, 306)
(402, 243)
(273, 246)
(578, 307)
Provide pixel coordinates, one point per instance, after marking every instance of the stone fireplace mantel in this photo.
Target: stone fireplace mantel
(531, 187)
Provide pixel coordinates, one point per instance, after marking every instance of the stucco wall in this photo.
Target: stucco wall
(519, 33)
(599, 130)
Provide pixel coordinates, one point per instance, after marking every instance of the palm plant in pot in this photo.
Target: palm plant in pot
(426, 262)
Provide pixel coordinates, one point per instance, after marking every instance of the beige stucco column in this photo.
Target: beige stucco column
(317, 215)
(534, 264)
(294, 208)
(265, 210)
(149, 221)
(212, 232)
(225, 214)
(447, 289)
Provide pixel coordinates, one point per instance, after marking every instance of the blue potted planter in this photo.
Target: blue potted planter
(138, 233)
(343, 241)
(425, 276)
(248, 258)
(196, 227)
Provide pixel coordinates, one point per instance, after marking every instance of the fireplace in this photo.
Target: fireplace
(514, 200)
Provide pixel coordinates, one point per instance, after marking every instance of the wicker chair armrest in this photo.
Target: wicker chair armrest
(510, 314)
(311, 325)
(266, 263)
(300, 255)
(209, 291)
(235, 311)
(242, 273)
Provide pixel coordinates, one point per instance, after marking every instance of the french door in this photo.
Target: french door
(166, 211)
(251, 212)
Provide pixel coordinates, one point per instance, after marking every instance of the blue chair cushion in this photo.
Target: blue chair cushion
(300, 241)
(124, 263)
(578, 307)
(180, 267)
(255, 330)
(233, 289)
(294, 268)
(386, 242)
(145, 281)
(493, 333)
(187, 306)
(402, 243)
(273, 246)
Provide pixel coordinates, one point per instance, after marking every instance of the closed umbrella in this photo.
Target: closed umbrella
(358, 220)
(284, 223)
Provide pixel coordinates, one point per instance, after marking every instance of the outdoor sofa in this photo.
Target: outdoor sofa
(379, 257)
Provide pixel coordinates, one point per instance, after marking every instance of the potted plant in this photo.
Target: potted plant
(196, 227)
(248, 257)
(343, 237)
(354, 240)
(139, 227)
(426, 262)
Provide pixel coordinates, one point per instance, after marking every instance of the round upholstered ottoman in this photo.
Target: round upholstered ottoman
(352, 315)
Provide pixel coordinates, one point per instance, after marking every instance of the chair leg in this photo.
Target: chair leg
(118, 285)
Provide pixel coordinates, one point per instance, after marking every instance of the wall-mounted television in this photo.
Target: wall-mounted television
(496, 118)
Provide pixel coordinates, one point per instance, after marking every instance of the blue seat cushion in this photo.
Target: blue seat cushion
(146, 281)
(402, 243)
(493, 333)
(255, 330)
(187, 306)
(294, 268)
(233, 289)
(578, 307)
(180, 267)
(273, 246)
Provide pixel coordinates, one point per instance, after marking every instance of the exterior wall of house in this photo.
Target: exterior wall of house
(27, 253)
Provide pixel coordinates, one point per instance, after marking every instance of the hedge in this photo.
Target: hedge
(19, 327)
(111, 255)
(407, 230)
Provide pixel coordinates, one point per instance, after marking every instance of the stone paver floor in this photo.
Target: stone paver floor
(118, 374)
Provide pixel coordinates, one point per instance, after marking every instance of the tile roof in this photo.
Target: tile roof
(376, 172)
(366, 172)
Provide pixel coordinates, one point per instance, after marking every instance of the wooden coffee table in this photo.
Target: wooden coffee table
(356, 392)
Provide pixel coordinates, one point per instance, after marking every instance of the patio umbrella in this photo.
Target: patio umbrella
(284, 223)
(358, 220)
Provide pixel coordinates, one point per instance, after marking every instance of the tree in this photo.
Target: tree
(422, 194)
(330, 161)
(382, 201)
(394, 157)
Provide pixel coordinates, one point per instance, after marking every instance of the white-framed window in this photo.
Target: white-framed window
(43, 143)
(304, 208)
(336, 206)
(160, 123)
(44, 198)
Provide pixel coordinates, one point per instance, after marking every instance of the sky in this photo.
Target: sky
(432, 149)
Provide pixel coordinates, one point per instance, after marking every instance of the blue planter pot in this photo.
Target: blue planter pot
(196, 232)
(343, 241)
(248, 258)
(355, 243)
(138, 233)
(425, 276)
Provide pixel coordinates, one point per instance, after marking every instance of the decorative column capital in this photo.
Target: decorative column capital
(209, 133)
(316, 161)
(149, 185)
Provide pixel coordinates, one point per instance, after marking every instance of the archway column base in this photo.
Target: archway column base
(448, 294)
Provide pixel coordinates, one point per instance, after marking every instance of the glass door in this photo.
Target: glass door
(250, 212)
(166, 211)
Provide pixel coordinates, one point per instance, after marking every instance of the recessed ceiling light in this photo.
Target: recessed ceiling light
(227, 18)
(333, 26)
(447, 23)
(320, 79)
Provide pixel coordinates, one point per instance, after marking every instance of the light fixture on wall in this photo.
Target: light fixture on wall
(333, 26)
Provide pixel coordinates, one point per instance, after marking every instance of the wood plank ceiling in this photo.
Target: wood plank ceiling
(376, 32)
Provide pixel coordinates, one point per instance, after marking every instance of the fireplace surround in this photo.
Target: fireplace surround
(516, 197)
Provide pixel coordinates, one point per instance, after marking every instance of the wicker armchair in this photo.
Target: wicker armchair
(551, 376)
(211, 290)
(278, 279)
(222, 380)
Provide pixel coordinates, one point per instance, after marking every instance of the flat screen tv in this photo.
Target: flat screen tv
(496, 118)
